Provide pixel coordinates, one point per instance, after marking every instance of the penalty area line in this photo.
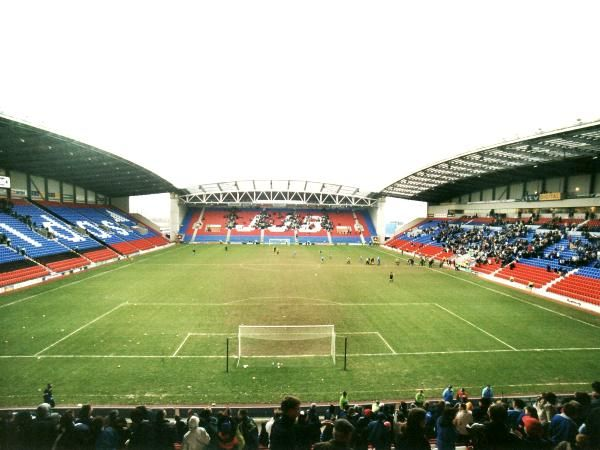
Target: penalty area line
(475, 326)
(80, 328)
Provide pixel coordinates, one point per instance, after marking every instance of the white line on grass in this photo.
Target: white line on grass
(63, 286)
(281, 298)
(498, 292)
(181, 345)
(475, 326)
(517, 298)
(386, 343)
(451, 352)
(80, 328)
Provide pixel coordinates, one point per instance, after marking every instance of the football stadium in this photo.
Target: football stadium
(268, 288)
(275, 225)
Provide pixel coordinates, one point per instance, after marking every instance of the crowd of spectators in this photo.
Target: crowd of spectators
(484, 424)
(511, 242)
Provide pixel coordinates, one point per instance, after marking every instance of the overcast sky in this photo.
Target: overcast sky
(356, 93)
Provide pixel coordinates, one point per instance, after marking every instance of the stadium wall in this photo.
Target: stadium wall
(121, 202)
(510, 207)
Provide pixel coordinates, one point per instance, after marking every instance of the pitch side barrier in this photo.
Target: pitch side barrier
(260, 411)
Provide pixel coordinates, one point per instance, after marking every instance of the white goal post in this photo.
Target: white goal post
(264, 341)
(279, 241)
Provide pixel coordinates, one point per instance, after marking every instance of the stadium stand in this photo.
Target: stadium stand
(254, 225)
(15, 268)
(583, 285)
(95, 223)
(530, 255)
(542, 422)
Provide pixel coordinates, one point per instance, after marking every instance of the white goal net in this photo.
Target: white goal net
(264, 341)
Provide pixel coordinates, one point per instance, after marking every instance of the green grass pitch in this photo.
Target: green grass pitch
(153, 330)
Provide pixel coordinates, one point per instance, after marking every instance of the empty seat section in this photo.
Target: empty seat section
(364, 218)
(21, 236)
(583, 285)
(106, 235)
(118, 224)
(15, 268)
(100, 254)
(525, 274)
(58, 229)
(186, 230)
(213, 227)
(488, 268)
(344, 229)
(63, 262)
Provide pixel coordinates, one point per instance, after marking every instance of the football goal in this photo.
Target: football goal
(267, 341)
(279, 241)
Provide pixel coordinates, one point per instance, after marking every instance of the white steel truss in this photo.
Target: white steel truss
(278, 192)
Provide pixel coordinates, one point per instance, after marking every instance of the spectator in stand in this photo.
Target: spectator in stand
(595, 403)
(546, 407)
(283, 435)
(44, 428)
(143, 434)
(111, 436)
(248, 429)
(342, 437)
(314, 424)
(534, 436)
(589, 432)
(563, 426)
(480, 413)
(66, 433)
(197, 438)
(165, 432)
(496, 435)
(412, 435)
(378, 435)
(303, 437)
(446, 434)
(515, 413)
(463, 420)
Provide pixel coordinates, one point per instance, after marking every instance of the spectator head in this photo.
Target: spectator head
(85, 411)
(193, 422)
(571, 409)
(161, 415)
(42, 411)
(497, 413)
(415, 423)
(596, 389)
(469, 406)
(290, 406)
(531, 411)
(518, 403)
(549, 397)
(534, 429)
(243, 413)
(583, 398)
